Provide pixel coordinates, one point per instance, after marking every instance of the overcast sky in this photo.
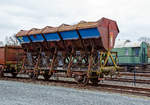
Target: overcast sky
(132, 16)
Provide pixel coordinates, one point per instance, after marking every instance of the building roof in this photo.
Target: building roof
(126, 43)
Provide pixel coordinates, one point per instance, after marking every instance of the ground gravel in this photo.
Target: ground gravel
(16, 93)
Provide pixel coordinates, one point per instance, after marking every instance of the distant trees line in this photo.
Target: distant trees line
(11, 40)
(145, 39)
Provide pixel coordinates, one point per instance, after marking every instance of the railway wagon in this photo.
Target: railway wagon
(10, 59)
(148, 52)
(131, 54)
(79, 51)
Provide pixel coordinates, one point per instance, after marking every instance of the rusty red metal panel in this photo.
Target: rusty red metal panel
(2, 55)
(109, 31)
(10, 54)
(22, 33)
(13, 54)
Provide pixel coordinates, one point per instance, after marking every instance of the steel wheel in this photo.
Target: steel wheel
(1, 74)
(14, 74)
(31, 75)
(94, 81)
(81, 79)
(46, 76)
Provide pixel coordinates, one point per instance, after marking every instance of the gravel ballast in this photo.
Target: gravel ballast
(17, 93)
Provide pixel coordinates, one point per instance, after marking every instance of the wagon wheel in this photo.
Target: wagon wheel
(35, 76)
(1, 73)
(46, 76)
(31, 75)
(94, 81)
(81, 79)
(78, 78)
(14, 74)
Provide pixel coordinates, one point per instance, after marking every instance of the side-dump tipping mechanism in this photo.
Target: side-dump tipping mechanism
(81, 51)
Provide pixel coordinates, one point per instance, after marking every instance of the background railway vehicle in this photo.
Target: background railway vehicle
(131, 54)
(10, 60)
(79, 51)
(148, 52)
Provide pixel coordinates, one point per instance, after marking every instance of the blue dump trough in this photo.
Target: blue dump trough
(66, 35)
(103, 30)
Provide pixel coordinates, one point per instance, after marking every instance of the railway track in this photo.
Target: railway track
(100, 87)
(127, 89)
(136, 74)
(128, 80)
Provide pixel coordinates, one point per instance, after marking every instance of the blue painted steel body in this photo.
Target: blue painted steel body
(66, 35)
(37, 38)
(23, 39)
(89, 33)
(52, 37)
(69, 35)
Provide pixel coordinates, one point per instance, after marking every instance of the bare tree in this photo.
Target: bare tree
(144, 39)
(1, 43)
(12, 40)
